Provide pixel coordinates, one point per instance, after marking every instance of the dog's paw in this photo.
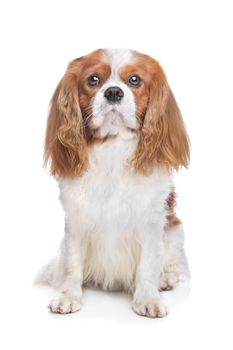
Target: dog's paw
(169, 280)
(65, 304)
(149, 307)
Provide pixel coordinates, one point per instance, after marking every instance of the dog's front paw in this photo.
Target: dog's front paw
(64, 304)
(169, 279)
(149, 307)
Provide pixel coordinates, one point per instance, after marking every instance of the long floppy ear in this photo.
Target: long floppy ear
(65, 144)
(163, 138)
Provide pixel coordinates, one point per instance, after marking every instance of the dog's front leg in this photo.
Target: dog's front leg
(147, 300)
(68, 297)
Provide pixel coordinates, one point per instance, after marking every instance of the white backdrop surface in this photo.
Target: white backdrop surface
(193, 42)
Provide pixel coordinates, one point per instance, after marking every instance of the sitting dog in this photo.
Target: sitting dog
(114, 138)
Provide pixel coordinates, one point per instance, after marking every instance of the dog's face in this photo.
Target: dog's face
(110, 93)
(113, 91)
(118, 92)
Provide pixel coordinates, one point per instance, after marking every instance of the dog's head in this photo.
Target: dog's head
(114, 92)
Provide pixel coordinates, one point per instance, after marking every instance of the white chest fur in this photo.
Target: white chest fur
(107, 209)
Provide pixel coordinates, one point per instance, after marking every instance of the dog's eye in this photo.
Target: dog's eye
(93, 80)
(134, 80)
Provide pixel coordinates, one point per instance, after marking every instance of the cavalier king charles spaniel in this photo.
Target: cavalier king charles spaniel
(114, 137)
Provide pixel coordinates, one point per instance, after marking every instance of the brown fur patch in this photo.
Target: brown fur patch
(163, 139)
(172, 219)
(69, 127)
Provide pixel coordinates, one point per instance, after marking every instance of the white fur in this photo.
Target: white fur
(118, 58)
(115, 218)
(115, 235)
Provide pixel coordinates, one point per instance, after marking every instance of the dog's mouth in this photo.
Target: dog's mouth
(112, 108)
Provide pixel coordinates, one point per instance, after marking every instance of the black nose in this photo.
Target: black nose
(114, 94)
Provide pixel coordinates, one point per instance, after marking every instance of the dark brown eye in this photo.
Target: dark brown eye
(134, 80)
(93, 80)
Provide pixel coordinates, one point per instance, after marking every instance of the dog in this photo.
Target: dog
(115, 136)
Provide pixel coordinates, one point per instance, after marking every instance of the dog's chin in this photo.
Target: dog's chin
(114, 114)
(113, 124)
(110, 121)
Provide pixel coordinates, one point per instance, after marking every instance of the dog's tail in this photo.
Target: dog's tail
(53, 272)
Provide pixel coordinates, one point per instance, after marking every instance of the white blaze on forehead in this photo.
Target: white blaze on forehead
(118, 58)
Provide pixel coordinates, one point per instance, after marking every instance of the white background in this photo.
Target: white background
(193, 41)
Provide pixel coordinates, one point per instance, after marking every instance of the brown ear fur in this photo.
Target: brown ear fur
(163, 139)
(65, 143)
